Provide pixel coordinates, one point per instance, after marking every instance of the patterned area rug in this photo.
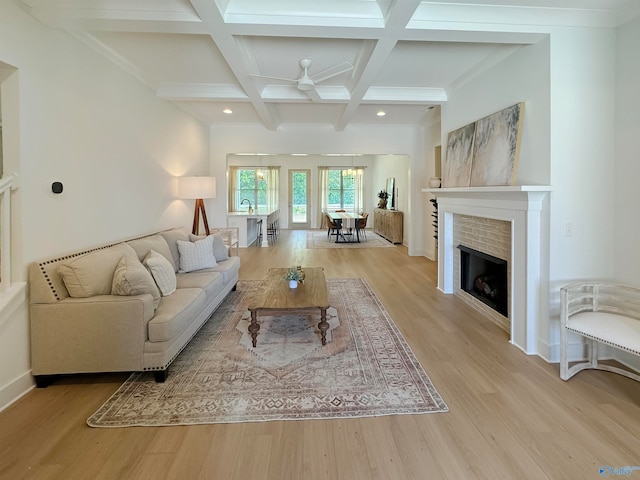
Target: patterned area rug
(365, 369)
(319, 239)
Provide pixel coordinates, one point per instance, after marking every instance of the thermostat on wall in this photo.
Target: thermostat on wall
(55, 188)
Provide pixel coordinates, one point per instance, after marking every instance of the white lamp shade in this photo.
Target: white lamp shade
(196, 187)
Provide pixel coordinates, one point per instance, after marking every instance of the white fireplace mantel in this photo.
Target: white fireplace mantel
(524, 207)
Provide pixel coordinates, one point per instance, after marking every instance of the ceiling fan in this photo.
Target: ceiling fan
(306, 83)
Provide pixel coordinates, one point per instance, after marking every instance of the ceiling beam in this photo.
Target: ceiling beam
(233, 55)
(399, 14)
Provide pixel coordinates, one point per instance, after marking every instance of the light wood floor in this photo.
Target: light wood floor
(510, 415)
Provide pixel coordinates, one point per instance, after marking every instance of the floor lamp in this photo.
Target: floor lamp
(197, 188)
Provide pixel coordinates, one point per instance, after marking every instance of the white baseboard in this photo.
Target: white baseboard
(15, 390)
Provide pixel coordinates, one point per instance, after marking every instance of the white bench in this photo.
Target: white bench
(602, 313)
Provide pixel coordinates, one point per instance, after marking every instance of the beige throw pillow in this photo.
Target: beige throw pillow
(132, 278)
(157, 242)
(162, 272)
(92, 274)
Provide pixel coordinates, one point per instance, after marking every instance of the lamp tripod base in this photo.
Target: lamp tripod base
(196, 218)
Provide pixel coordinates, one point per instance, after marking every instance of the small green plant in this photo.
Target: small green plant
(383, 195)
(294, 274)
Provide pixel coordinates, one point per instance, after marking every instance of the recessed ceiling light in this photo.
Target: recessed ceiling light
(381, 113)
(228, 111)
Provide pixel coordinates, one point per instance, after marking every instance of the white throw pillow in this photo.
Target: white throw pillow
(220, 250)
(132, 278)
(162, 272)
(196, 255)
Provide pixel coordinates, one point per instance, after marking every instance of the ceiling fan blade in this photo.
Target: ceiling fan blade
(313, 95)
(293, 80)
(332, 72)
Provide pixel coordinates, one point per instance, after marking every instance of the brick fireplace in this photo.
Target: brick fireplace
(487, 236)
(510, 223)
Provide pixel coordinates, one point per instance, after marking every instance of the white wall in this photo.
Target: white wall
(582, 165)
(356, 139)
(521, 77)
(567, 84)
(627, 166)
(72, 116)
(627, 156)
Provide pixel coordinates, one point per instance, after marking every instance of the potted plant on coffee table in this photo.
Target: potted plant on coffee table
(294, 275)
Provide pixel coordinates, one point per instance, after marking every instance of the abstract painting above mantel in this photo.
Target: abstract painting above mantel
(457, 166)
(490, 156)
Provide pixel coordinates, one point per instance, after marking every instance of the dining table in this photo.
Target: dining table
(346, 221)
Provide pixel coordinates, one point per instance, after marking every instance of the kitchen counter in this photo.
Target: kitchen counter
(247, 225)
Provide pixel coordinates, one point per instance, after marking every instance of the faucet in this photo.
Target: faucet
(249, 202)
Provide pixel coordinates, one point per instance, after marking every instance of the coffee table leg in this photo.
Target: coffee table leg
(254, 327)
(323, 325)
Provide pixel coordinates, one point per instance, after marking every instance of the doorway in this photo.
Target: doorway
(299, 204)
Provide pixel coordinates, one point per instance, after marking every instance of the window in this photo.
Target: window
(252, 186)
(258, 185)
(341, 190)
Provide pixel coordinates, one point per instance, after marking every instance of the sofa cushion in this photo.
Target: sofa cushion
(162, 272)
(92, 274)
(132, 278)
(196, 255)
(175, 313)
(220, 250)
(211, 282)
(228, 268)
(157, 242)
(172, 236)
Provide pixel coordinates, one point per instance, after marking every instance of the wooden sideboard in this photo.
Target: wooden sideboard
(388, 224)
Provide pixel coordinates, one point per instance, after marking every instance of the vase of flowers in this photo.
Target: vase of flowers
(294, 275)
(383, 196)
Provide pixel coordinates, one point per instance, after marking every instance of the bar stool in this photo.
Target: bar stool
(273, 227)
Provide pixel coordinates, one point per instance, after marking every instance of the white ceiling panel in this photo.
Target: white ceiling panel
(418, 64)
(403, 56)
(170, 58)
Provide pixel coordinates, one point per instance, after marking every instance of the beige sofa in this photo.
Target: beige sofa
(98, 311)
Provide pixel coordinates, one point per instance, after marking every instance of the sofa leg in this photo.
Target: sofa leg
(161, 375)
(43, 381)
(234, 287)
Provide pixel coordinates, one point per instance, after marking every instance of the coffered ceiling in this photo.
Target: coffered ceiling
(406, 55)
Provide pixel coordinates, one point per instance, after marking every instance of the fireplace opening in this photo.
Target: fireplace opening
(484, 277)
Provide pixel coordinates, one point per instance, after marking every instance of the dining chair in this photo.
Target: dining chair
(362, 225)
(332, 226)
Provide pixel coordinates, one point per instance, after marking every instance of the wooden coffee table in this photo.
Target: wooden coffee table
(277, 296)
